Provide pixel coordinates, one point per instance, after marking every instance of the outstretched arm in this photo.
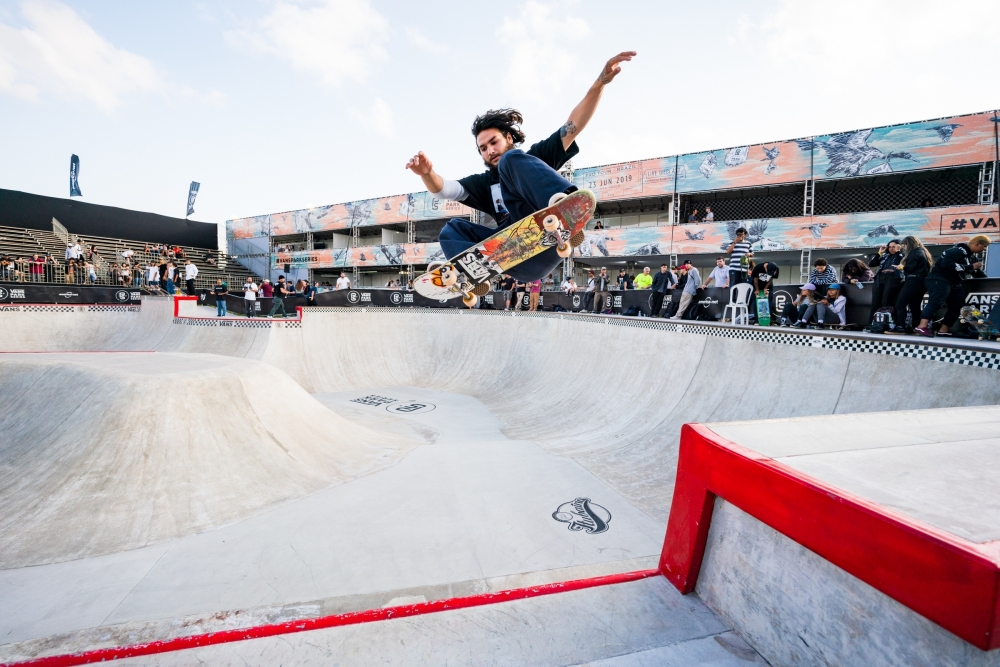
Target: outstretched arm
(583, 112)
(421, 165)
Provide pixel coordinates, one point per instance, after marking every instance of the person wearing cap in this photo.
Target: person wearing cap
(737, 250)
(624, 283)
(690, 289)
(602, 291)
(280, 292)
(888, 277)
(266, 289)
(794, 311)
(643, 280)
(588, 292)
(762, 278)
(944, 284)
(833, 302)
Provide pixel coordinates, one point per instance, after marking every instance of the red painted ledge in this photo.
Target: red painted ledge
(949, 580)
(353, 618)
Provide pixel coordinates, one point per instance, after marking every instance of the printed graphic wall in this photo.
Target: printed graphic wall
(364, 213)
(939, 226)
(925, 145)
(395, 254)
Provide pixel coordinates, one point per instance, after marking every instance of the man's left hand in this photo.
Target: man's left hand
(613, 67)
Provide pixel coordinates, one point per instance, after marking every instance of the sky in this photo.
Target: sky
(274, 105)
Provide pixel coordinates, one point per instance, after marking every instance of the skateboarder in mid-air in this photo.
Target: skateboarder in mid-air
(516, 183)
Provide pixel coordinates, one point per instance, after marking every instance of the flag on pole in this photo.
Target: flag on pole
(74, 177)
(192, 193)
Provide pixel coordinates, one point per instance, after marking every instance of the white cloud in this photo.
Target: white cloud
(58, 53)
(537, 46)
(336, 39)
(379, 118)
(419, 39)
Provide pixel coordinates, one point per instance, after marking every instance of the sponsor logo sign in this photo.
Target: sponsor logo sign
(353, 297)
(396, 298)
(968, 223)
(410, 407)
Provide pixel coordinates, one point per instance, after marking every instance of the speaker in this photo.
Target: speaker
(288, 269)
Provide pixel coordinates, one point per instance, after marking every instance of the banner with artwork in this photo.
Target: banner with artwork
(933, 226)
(391, 254)
(936, 144)
(362, 213)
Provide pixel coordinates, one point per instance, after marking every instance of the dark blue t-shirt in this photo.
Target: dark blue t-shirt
(484, 189)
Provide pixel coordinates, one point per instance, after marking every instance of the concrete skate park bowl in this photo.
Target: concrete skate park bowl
(403, 486)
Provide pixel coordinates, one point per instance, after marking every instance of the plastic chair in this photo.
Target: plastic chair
(739, 298)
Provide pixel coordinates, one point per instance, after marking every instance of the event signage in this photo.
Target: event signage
(75, 294)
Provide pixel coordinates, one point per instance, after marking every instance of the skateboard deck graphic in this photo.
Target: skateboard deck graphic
(510, 246)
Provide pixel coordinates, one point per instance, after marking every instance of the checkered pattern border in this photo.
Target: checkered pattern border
(112, 309)
(244, 323)
(825, 340)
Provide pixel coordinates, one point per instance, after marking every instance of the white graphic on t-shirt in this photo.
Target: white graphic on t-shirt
(498, 204)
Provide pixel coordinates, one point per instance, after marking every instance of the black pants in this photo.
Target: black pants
(884, 293)
(588, 300)
(655, 303)
(941, 293)
(275, 305)
(190, 286)
(736, 277)
(910, 296)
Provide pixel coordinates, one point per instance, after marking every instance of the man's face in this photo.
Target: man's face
(720, 263)
(894, 248)
(604, 272)
(975, 247)
(740, 236)
(663, 269)
(646, 271)
(492, 145)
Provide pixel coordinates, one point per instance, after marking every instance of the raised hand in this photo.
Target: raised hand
(420, 164)
(613, 67)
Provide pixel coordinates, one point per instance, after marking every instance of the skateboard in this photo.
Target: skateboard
(468, 274)
(976, 320)
(763, 310)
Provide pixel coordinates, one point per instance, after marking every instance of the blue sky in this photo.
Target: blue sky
(277, 105)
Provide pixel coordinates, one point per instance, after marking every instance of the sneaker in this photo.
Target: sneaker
(799, 325)
(557, 197)
(923, 332)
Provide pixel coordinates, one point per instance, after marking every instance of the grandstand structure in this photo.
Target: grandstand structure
(21, 244)
(843, 194)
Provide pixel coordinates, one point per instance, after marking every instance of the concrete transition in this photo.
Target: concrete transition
(162, 477)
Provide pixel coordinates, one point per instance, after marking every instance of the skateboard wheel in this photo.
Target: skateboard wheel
(564, 250)
(550, 223)
(470, 300)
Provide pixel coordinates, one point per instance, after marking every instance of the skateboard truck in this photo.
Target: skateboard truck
(446, 275)
(552, 225)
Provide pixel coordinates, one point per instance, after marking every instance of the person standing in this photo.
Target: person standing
(250, 296)
(739, 254)
(623, 281)
(763, 278)
(171, 273)
(693, 217)
(944, 284)
(691, 287)
(719, 275)
(534, 293)
(663, 281)
(343, 282)
(602, 292)
(709, 216)
(220, 290)
(643, 280)
(888, 278)
(280, 292)
(916, 266)
(190, 273)
(588, 293)
(519, 289)
(507, 285)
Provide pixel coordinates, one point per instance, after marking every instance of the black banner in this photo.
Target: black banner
(338, 298)
(27, 293)
(74, 177)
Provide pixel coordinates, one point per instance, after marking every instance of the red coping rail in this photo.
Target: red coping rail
(352, 618)
(949, 580)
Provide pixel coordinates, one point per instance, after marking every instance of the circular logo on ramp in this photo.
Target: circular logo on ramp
(582, 514)
(396, 298)
(410, 407)
(4, 293)
(353, 297)
(121, 296)
(576, 300)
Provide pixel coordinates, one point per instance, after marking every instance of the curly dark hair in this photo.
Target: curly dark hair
(507, 121)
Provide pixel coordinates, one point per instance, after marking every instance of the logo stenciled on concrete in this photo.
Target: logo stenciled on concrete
(374, 400)
(353, 296)
(410, 407)
(582, 514)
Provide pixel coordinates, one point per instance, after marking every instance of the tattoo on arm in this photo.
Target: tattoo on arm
(568, 128)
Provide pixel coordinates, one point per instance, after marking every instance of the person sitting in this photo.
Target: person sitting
(569, 286)
(794, 310)
(855, 272)
(822, 275)
(208, 258)
(833, 302)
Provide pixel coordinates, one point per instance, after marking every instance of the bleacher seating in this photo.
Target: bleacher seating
(17, 242)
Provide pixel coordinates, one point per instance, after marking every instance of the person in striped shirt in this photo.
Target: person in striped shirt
(822, 275)
(737, 250)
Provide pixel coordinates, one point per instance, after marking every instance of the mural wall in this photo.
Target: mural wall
(925, 145)
(363, 213)
(933, 226)
(393, 254)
